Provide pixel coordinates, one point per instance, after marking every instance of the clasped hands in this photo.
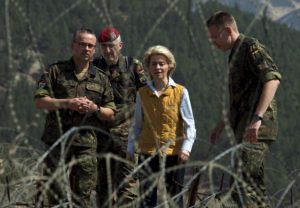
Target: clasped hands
(82, 105)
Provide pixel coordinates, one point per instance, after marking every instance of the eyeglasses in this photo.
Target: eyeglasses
(86, 45)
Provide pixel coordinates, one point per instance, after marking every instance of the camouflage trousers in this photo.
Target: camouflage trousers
(72, 175)
(249, 188)
(113, 174)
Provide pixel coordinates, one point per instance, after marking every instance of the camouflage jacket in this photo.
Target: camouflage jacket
(125, 77)
(250, 67)
(60, 81)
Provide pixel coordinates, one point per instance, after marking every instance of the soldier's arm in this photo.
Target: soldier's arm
(107, 109)
(81, 105)
(268, 75)
(49, 103)
(267, 95)
(105, 113)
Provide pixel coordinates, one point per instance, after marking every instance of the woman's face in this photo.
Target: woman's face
(159, 67)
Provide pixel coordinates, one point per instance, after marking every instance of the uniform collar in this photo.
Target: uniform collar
(120, 63)
(91, 69)
(236, 46)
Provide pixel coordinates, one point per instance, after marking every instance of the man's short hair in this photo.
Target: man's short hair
(221, 19)
(82, 30)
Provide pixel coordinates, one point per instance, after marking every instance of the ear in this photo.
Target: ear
(228, 30)
(120, 45)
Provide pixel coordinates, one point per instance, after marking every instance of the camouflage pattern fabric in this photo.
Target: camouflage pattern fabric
(60, 81)
(120, 171)
(82, 174)
(126, 77)
(251, 192)
(250, 67)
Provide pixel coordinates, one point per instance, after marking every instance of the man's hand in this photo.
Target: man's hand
(251, 134)
(82, 105)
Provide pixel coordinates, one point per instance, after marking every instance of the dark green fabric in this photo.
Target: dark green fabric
(250, 67)
(83, 172)
(126, 77)
(59, 81)
(250, 191)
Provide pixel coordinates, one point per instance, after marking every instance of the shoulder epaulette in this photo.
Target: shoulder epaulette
(60, 62)
(98, 69)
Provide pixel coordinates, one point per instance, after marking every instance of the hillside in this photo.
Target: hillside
(38, 33)
(281, 11)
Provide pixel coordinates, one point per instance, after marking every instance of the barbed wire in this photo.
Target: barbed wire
(22, 173)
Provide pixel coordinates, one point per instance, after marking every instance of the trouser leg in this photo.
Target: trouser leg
(174, 180)
(148, 186)
(251, 192)
(83, 176)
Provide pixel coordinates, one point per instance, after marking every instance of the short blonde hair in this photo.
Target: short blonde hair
(160, 50)
(222, 19)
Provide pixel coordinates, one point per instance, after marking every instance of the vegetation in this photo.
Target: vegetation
(37, 33)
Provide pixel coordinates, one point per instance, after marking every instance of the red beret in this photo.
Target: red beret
(108, 34)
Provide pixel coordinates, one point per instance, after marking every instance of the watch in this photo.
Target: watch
(257, 117)
(98, 110)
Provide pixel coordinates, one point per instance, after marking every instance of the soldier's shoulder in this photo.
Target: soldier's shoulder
(137, 66)
(250, 40)
(101, 73)
(253, 44)
(99, 70)
(136, 61)
(59, 65)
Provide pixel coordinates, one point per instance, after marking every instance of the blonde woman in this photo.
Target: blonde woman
(163, 125)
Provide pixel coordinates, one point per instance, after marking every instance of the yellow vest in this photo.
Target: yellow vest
(162, 122)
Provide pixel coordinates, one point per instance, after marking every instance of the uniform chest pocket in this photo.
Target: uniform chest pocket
(94, 92)
(93, 87)
(64, 88)
(65, 83)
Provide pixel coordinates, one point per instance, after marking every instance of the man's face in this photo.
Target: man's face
(83, 49)
(219, 37)
(111, 51)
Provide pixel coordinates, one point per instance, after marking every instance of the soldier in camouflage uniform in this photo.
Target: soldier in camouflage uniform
(76, 94)
(126, 75)
(253, 82)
